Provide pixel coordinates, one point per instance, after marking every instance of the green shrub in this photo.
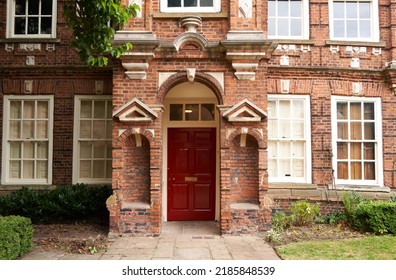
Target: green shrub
(16, 235)
(280, 221)
(304, 213)
(393, 197)
(64, 203)
(378, 217)
(351, 202)
(334, 218)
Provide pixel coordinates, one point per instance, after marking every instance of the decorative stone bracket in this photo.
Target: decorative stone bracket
(390, 74)
(245, 49)
(135, 71)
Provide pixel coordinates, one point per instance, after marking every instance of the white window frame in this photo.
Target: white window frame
(10, 23)
(374, 22)
(76, 137)
(6, 147)
(215, 9)
(304, 25)
(378, 132)
(307, 179)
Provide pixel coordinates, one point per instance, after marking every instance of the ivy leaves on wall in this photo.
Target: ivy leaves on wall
(94, 23)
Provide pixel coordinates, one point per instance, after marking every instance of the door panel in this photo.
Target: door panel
(191, 173)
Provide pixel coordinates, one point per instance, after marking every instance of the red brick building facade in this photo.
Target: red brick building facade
(223, 110)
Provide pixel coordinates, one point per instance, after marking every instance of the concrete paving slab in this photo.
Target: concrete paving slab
(192, 254)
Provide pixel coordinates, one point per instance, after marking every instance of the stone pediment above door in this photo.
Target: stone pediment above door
(135, 111)
(245, 111)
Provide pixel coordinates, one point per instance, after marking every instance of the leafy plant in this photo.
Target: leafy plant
(377, 216)
(280, 221)
(273, 236)
(16, 235)
(351, 201)
(393, 197)
(304, 213)
(334, 218)
(93, 23)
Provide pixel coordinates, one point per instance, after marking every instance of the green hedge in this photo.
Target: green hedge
(68, 202)
(16, 235)
(378, 217)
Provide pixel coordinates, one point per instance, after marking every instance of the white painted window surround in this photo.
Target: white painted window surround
(357, 141)
(289, 139)
(288, 19)
(27, 140)
(354, 20)
(31, 19)
(190, 6)
(92, 150)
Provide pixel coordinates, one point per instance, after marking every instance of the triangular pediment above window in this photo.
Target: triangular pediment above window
(245, 111)
(135, 111)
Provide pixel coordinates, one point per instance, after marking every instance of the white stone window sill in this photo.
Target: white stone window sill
(360, 188)
(244, 206)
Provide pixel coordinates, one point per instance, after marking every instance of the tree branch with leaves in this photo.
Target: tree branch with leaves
(93, 23)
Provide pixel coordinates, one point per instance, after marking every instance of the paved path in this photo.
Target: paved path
(178, 241)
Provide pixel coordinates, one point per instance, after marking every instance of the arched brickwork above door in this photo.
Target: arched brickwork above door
(256, 133)
(200, 77)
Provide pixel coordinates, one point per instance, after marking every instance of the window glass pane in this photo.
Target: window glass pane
(338, 10)
(86, 109)
(42, 169)
(99, 129)
(272, 129)
(369, 152)
(28, 110)
(364, 10)
(15, 149)
(42, 109)
(109, 150)
(351, 9)
(46, 7)
(98, 169)
(46, 27)
(99, 109)
(369, 171)
(15, 169)
(342, 150)
(342, 170)
(15, 110)
(296, 8)
(342, 111)
(284, 168)
(298, 109)
(298, 129)
(352, 28)
(20, 7)
(272, 149)
(85, 129)
(365, 30)
(190, 3)
(20, 26)
(272, 168)
(42, 131)
(33, 7)
(28, 169)
(284, 108)
(295, 28)
(298, 149)
(15, 130)
(271, 109)
(174, 3)
(298, 168)
(28, 150)
(108, 168)
(339, 29)
(33, 25)
(42, 150)
(356, 151)
(85, 150)
(285, 129)
(284, 149)
(191, 112)
(369, 131)
(369, 111)
(283, 26)
(206, 3)
(207, 112)
(356, 111)
(283, 8)
(356, 170)
(342, 130)
(272, 26)
(28, 130)
(85, 169)
(271, 8)
(176, 112)
(356, 130)
(109, 127)
(99, 149)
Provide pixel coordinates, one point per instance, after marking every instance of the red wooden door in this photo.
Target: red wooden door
(191, 173)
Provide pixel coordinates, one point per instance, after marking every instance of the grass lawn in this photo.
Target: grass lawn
(366, 248)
